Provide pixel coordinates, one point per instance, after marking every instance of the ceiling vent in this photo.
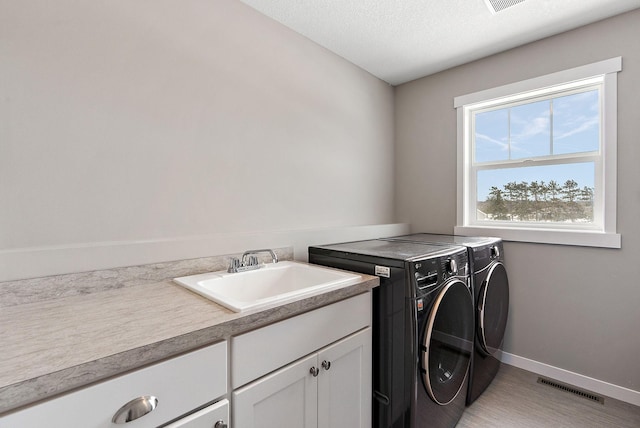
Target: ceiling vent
(496, 6)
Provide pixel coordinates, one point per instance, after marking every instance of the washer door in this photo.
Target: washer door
(493, 309)
(447, 342)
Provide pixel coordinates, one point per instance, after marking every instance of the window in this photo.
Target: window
(537, 159)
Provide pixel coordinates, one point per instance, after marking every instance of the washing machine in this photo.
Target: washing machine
(490, 286)
(423, 328)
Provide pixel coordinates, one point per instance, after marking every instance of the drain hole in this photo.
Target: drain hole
(571, 389)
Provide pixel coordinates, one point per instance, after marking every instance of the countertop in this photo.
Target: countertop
(57, 345)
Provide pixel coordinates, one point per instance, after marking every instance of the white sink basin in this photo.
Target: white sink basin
(272, 285)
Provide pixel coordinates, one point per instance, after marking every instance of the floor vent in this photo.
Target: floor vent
(496, 6)
(571, 389)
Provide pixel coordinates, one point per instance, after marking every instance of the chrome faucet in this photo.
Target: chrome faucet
(274, 257)
(249, 263)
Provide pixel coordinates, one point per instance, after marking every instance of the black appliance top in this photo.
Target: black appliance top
(389, 249)
(433, 238)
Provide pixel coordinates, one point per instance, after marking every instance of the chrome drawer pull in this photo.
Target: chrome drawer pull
(134, 409)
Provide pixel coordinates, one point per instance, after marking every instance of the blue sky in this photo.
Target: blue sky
(568, 124)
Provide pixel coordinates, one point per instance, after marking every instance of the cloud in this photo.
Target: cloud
(528, 133)
(575, 114)
(582, 125)
(531, 126)
(501, 144)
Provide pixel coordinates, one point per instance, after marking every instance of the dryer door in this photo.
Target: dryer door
(493, 309)
(447, 342)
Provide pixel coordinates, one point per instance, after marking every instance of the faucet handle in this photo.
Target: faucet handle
(234, 264)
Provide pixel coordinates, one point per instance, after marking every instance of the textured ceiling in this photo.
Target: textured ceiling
(402, 40)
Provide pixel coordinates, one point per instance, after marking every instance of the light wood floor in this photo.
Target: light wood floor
(515, 400)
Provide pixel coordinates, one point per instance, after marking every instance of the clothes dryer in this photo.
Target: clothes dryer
(422, 328)
(490, 286)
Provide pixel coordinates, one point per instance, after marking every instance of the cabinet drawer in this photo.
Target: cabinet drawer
(179, 384)
(262, 351)
(214, 416)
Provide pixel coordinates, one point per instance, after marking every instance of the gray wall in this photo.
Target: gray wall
(127, 122)
(571, 307)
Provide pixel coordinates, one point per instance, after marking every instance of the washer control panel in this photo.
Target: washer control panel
(485, 255)
(426, 273)
(431, 272)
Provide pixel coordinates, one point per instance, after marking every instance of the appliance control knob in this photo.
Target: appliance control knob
(495, 252)
(452, 266)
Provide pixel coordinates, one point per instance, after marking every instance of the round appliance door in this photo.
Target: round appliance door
(493, 309)
(447, 342)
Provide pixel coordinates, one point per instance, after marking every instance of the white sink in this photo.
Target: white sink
(271, 285)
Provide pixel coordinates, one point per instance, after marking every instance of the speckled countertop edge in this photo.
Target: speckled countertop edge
(222, 325)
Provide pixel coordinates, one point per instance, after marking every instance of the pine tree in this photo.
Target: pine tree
(536, 191)
(496, 205)
(586, 197)
(554, 206)
(570, 192)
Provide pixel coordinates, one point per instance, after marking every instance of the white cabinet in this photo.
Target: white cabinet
(179, 385)
(329, 387)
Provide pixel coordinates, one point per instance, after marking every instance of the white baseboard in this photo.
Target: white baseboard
(593, 385)
(36, 262)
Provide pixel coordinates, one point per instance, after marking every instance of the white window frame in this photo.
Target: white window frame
(602, 73)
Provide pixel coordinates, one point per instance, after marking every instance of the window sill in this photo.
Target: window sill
(545, 236)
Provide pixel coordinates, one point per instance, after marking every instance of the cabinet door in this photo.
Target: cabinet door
(344, 383)
(285, 398)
